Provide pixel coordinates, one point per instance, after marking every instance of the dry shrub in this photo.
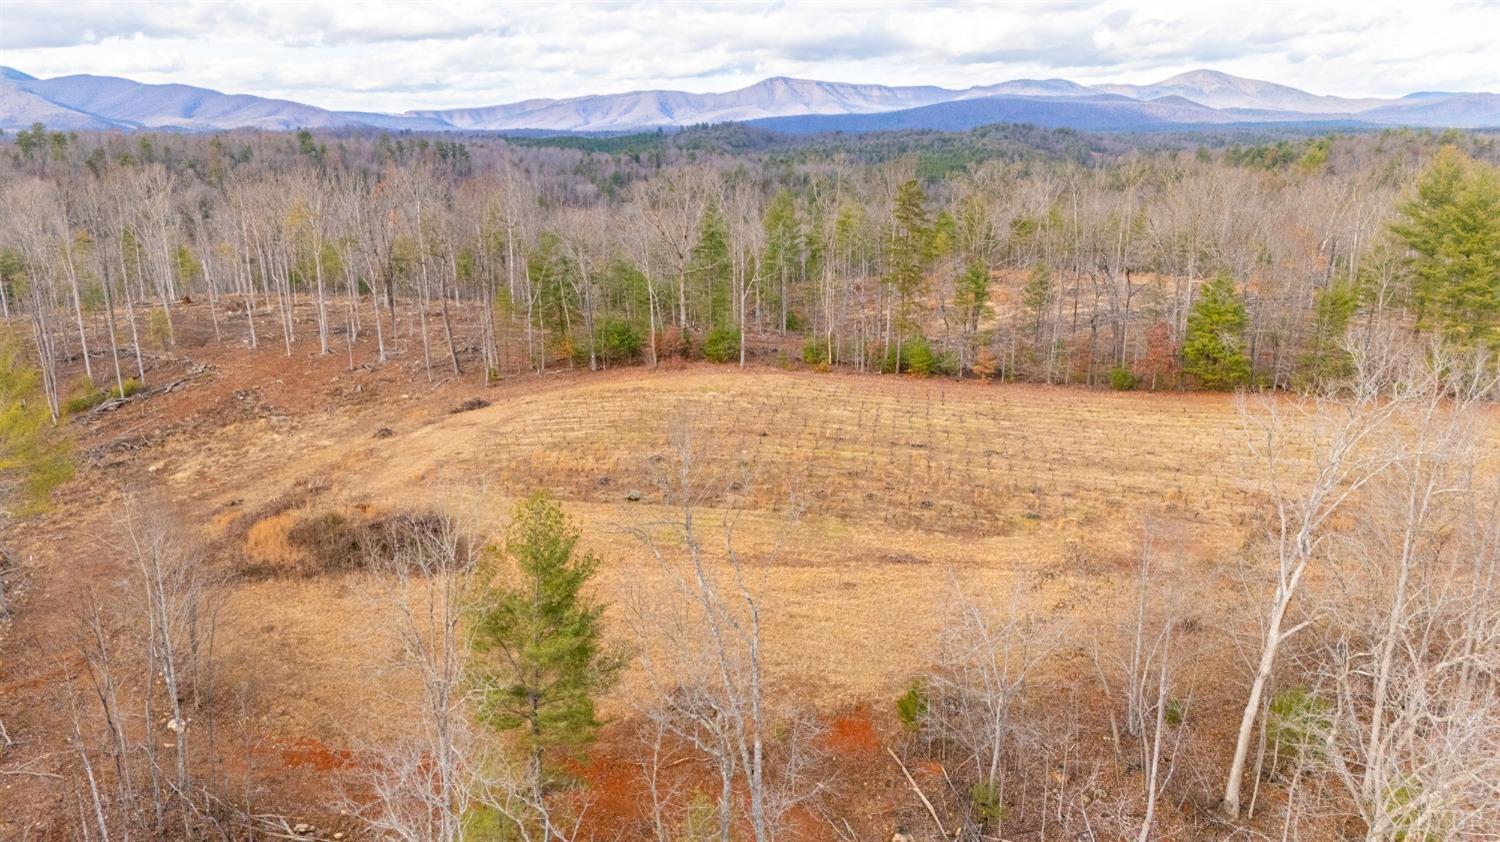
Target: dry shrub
(330, 543)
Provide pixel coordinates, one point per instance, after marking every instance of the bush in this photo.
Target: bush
(673, 341)
(330, 542)
(1121, 379)
(815, 351)
(618, 341)
(1176, 712)
(1297, 724)
(159, 328)
(333, 543)
(911, 706)
(985, 799)
(85, 402)
(917, 358)
(722, 345)
(985, 364)
(90, 396)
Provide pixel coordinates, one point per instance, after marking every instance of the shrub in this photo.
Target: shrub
(722, 345)
(673, 341)
(85, 402)
(159, 328)
(1121, 379)
(333, 543)
(984, 797)
(1297, 724)
(618, 341)
(985, 364)
(815, 351)
(911, 706)
(1175, 713)
(89, 396)
(917, 358)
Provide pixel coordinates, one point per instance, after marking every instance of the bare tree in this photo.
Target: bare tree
(705, 659)
(1411, 634)
(1345, 429)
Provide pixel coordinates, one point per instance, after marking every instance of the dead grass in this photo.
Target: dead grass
(899, 487)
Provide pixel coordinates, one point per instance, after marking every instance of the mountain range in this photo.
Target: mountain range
(1196, 98)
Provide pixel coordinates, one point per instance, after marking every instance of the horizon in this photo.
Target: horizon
(461, 56)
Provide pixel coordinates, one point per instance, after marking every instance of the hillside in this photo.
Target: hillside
(901, 484)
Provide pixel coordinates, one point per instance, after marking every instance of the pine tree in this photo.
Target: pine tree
(1036, 294)
(711, 271)
(1326, 358)
(909, 253)
(1213, 351)
(971, 295)
(33, 459)
(1452, 226)
(543, 661)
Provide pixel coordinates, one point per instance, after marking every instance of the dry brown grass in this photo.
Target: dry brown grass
(901, 485)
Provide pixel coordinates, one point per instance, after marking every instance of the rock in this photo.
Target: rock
(633, 495)
(384, 433)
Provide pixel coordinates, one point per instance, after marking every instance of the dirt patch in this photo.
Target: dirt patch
(853, 733)
(308, 753)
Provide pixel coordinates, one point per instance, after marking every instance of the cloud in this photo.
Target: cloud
(394, 56)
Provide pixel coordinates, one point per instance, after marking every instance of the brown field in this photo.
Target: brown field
(867, 496)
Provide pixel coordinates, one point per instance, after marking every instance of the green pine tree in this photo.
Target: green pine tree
(33, 458)
(1326, 358)
(971, 294)
(908, 255)
(711, 271)
(781, 261)
(542, 658)
(1214, 348)
(1452, 226)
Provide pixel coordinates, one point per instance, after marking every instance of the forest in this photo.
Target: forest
(718, 485)
(1168, 268)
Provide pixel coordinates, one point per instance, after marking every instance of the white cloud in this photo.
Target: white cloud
(401, 55)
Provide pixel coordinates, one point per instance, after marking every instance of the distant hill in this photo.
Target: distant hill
(1099, 112)
(1197, 98)
(102, 102)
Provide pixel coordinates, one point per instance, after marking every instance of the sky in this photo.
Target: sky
(395, 56)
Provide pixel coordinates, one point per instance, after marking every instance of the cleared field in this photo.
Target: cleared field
(859, 501)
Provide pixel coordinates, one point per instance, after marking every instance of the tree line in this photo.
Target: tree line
(1163, 268)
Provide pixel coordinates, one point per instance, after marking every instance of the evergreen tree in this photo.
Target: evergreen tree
(543, 661)
(909, 252)
(971, 294)
(33, 459)
(1214, 348)
(1452, 226)
(781, 264)
(1327, 358)
(711, 271)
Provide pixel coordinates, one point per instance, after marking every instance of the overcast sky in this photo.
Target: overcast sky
(401, 55)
